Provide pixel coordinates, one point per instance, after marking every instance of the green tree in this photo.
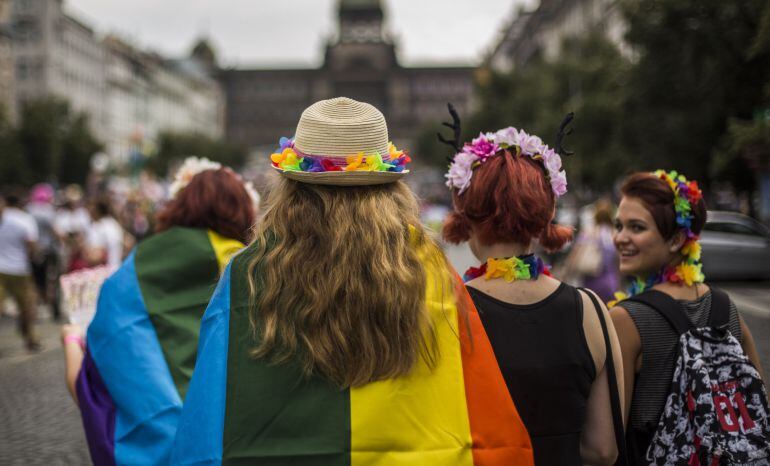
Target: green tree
(41, 130)
(13, 166)
(78, 146)
(588, 78)
(175, 146)
(54, 143)
(701, 64)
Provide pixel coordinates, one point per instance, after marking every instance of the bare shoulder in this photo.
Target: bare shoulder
(628, 334)
(592, 327)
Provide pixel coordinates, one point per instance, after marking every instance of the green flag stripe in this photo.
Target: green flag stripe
(177, 272)
(273, 415)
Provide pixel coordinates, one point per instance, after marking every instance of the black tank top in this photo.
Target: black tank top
(547, 366)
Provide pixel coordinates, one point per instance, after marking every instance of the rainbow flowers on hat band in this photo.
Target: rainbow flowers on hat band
(489, 145)
(288, 158)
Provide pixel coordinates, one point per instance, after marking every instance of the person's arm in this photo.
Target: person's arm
(72, 339)
(749, 347)
(598, 443)
(630, 348)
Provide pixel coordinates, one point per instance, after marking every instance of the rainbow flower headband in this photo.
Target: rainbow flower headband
(489, 145)
(287, 157)
(689, 271)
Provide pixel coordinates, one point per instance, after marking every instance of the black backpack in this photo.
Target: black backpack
(716, 412)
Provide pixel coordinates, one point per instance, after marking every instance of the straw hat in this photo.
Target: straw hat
(333, 130)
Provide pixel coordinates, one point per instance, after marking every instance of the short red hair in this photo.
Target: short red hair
(509, 200)
(214, 199)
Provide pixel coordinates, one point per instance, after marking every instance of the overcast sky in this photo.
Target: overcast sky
(292, 32)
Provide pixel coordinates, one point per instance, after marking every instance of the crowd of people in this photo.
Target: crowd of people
(45, 234)
(329, 327)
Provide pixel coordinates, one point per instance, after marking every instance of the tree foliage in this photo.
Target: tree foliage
(51, 143)
(176, 146)
(696, 76)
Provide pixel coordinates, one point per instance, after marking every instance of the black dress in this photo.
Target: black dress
(544, 358)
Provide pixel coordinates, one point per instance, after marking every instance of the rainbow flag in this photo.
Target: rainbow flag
(242, 411)
(142, 344)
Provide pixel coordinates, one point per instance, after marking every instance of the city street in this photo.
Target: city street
(40, 424)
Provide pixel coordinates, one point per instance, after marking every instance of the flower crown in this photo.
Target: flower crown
(490, 145)
(194, 165)
(189, 168)
(686, 195)
(287, 157)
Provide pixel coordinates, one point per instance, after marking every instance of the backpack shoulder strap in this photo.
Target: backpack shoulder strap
(667, 307)
(617, 413)
(720, 308)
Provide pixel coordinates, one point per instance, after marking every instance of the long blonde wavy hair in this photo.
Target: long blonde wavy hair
(341, 287)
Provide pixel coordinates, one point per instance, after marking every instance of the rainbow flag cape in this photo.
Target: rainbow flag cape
(242, 411)
(142, 343)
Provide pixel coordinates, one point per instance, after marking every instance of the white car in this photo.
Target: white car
(735, 247)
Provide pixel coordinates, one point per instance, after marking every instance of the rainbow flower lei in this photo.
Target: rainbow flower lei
(689, 271)
(488, 145)
(526, 267)
(288, 158)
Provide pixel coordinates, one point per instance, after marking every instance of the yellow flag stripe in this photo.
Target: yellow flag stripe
(418, 417)
(224, 248)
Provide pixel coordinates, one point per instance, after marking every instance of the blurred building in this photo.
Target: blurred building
(129, 95)
(541, 33)
(148, 94)
(56, 54)
(360, 63)
(7, 96)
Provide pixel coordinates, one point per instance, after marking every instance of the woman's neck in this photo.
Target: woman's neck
(501, 250)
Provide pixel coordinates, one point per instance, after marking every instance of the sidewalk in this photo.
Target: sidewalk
(40, 424)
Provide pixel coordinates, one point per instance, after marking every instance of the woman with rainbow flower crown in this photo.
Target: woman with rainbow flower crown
(550, 339)
(658, 222)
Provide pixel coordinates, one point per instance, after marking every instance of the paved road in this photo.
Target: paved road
(39, 424)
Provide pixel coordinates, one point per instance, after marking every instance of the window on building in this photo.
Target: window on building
(26, 30)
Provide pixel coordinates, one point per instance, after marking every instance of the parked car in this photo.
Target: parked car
(735, 247)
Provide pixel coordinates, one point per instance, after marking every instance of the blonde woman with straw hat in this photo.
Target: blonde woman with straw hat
(340, 335)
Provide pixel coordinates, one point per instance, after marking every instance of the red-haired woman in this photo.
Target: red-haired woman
(131, 377)
(547, 336)
(656, 235)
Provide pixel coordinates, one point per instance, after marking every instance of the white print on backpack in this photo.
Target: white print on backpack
(716, 412)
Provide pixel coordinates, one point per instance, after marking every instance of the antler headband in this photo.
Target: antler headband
(488, 145)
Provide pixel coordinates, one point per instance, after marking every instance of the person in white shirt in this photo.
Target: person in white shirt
(18, 235)
(105, 236)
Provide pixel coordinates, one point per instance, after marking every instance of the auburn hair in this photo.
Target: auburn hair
(214, 199)
(337, 284)
(658, 198)
(509, 200)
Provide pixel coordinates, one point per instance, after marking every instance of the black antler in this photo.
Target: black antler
(560, 135)
(455, 125)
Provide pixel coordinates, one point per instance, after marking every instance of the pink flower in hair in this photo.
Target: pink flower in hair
(482, 147)
(551, 160)
(508, 136)
(530, 145)
(559, 183)
(461, 171)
